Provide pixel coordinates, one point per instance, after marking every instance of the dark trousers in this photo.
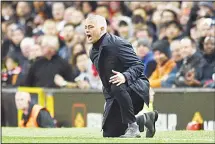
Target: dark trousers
(126, 105)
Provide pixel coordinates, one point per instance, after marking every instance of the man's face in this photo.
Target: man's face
(22, 9)
(102, 11)
(187, 48)
(176, 51)
(77, 17)
(142, 51)
(26, 50)
(92, 30)
(68, 33)
(82, 62)
(58, 11)
(160, 57)
(17, 36)
(209, 45)
(22, 100)
(167, 16)
(123, 31)
(172, 31)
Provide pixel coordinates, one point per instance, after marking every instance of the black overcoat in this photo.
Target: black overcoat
(115, 53)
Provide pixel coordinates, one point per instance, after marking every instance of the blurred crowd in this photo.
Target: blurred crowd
(44, 45)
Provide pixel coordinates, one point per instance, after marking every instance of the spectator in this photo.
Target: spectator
(11, 72)
(7, 12)
(33, 115)
(173, 30)
(209, 56)
(58, 9)
(146, 55)
(26, 47)
(102, 10)
(88, 7)
(125, 28)
(168, 15)
(177, 56)
(24, 16)
(43, 71)
(68, 15)
(164, 63)
(68, 36)
(190, 73)
(14, 47)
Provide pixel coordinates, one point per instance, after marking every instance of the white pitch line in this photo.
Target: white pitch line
(169, 139)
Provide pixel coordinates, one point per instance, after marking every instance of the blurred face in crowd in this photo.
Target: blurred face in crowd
(123, 31)
(102, 11)
(203, 26)
(38, 5)
(209, 45)
(10, 64)
(86, 8)
(144, 34)
(68, 14)
(176, 50)
(115, 6)
(58, 11)
(9, 30)
(50, 45)
(77, 48)
(167, 16)
(22, 100)
(160, 57)
(142, 51)
(187, 48)
(50, 28)
(156, 17)
(172, 31)
(36, 51)
(204, 11)
(77, 17)
(68, 33)
(82, 60)
(93, 30)
(7, 11)
(17, 36)
(22, 9)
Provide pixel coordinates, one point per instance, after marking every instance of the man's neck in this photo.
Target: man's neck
(97, 44)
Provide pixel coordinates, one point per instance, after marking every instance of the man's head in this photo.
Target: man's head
(26, 46)
(143, 47)
(68, 32)
(161, 51)
(168, 15)
(173, 29)
(23, 9)
(81, 61)
(176, 50)
(50, 45)
(188, 47)
(22, 100)
(123, 29)
(17, 35)
(209, 45)
(95, 27)
(50, 27)
(58, 9)
(102, 10)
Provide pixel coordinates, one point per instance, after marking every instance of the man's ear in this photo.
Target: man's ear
(102, 28)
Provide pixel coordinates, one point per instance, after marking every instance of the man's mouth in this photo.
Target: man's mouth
(89, 36)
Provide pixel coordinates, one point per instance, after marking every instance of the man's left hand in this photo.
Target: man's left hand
(118, 78)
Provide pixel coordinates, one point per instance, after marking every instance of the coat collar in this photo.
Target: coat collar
(102, 41)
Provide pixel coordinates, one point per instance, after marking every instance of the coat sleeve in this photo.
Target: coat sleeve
(133, 65)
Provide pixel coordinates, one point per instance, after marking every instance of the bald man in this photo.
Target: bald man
(125, 87)
(33, 115)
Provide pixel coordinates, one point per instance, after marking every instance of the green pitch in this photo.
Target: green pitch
(87, 135)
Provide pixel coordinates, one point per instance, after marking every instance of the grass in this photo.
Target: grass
(90, 135)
